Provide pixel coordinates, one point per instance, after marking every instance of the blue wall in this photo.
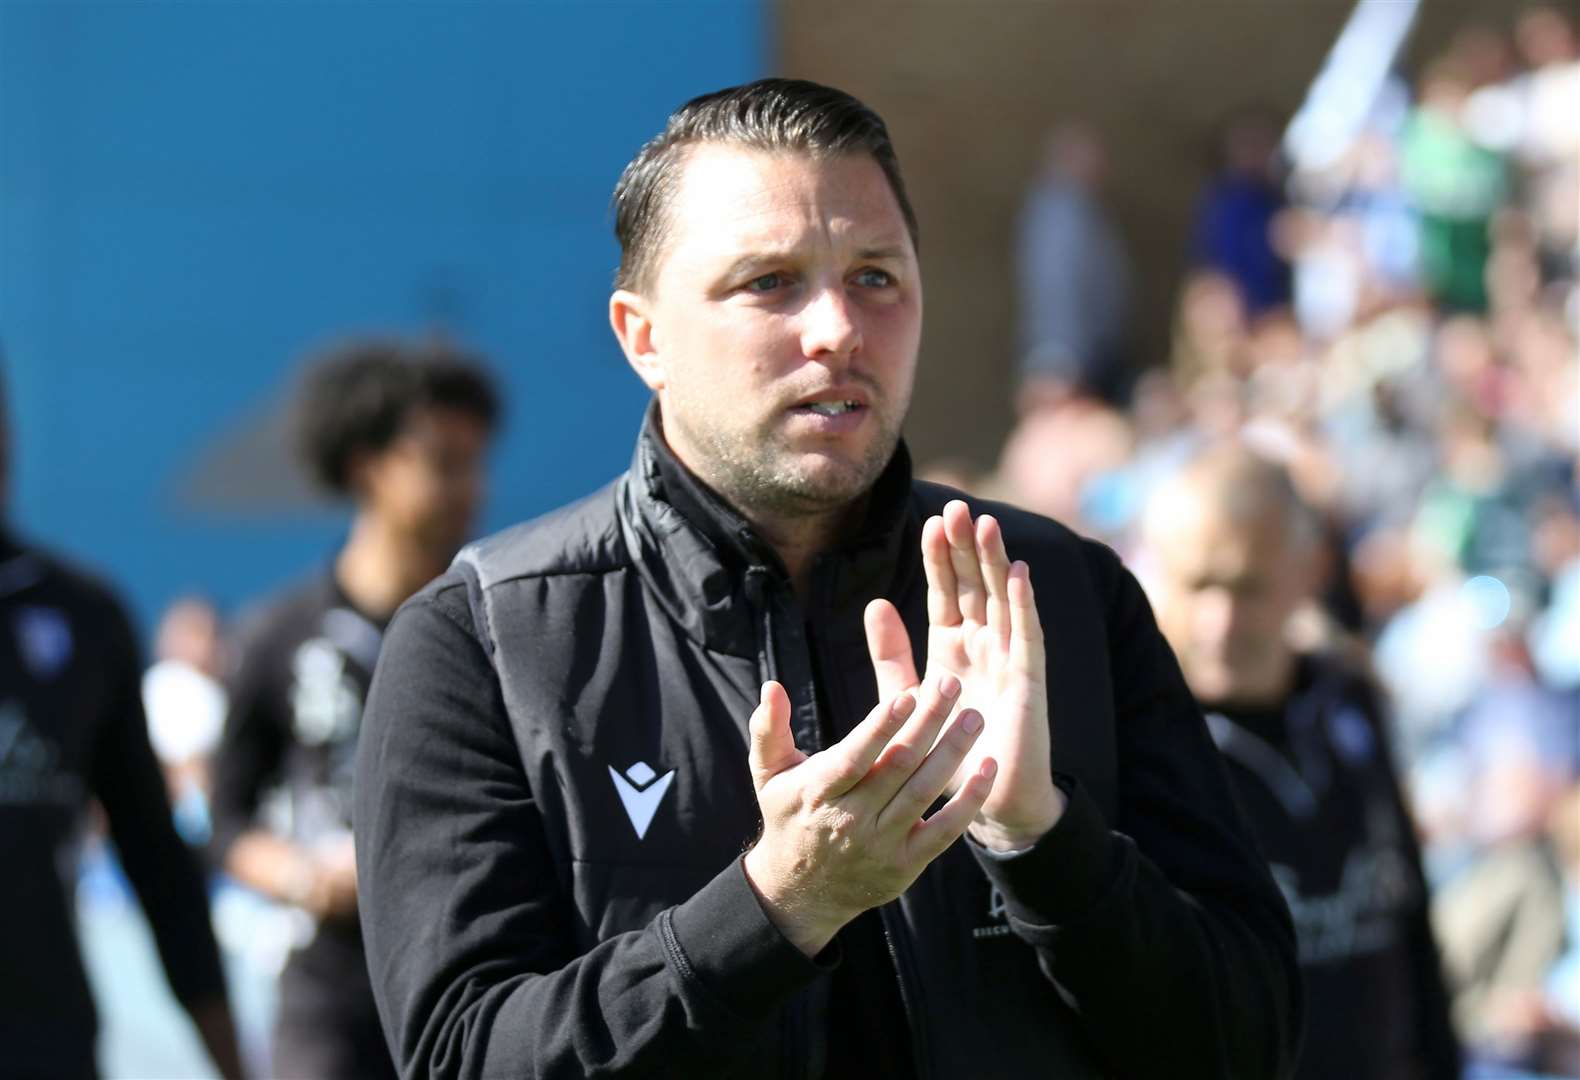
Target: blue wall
(191, 194)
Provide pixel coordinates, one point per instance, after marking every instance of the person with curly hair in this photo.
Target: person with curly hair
(401, 431)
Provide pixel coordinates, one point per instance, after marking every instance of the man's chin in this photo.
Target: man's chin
(833, 481)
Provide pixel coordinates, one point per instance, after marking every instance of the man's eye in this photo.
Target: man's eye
(874, 278)
(766, 282)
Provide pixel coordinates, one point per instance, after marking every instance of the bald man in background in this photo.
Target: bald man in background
(1236, 555)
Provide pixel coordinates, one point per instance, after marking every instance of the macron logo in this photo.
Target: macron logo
(640, 793)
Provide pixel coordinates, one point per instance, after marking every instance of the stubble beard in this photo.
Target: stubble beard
(762, 477)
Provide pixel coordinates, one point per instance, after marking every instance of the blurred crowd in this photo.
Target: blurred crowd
(1395, 334)
(1398, 333)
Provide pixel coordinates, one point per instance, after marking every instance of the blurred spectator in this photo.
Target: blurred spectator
(1074, 277)
(1360, 255)
(1236, 216)
(1234, 556)
(1210, 330)
(1531, 115)
(185, 703)
(400, 430)
(1504, 920)
(1483, 53)
(72, 729)
(1054, 456)
(1556, 1031)
(1455, 183)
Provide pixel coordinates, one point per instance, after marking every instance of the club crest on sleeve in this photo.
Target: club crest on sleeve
(44, 638)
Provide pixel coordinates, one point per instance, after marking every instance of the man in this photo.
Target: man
(1237, 555)
(573, 735)
(1074, 278)
(72, 729)
(401, 430)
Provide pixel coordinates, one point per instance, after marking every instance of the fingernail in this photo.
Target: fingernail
(971, 722)
(949, 686)
(903, 706)
(989, 769)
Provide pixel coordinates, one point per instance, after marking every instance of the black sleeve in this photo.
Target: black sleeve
(1166, 934)
(165, 873)
(253, 743)
(470, 939)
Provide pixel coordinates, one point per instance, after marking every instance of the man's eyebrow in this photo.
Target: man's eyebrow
(757, 259)
(771, 257)
(887, 251)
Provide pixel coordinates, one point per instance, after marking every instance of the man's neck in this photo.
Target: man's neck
(379, 567)
(798, 536)
(1269, 693)
(800, 539)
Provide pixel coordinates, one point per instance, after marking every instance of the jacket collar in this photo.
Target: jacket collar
(700, 555)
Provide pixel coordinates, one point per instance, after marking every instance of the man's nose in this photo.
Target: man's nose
(829, 328)
(1215, 613)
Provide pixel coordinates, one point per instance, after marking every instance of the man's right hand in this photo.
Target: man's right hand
(843, 829)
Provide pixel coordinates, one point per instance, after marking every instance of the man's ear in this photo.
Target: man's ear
(630, 316)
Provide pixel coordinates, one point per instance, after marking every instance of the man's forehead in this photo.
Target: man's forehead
(729, 195)
(1193, 527)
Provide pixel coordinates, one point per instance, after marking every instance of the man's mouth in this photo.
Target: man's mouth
(832, 408)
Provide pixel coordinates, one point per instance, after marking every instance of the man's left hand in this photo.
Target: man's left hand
(983, 628)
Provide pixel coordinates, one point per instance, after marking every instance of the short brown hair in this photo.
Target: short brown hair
(773, 115)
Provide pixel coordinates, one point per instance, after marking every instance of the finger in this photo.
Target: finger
(995, 574)
(890, 648)
(772, 748)
(1028, 652)
(906, 751)
(931, 838)
(970, 592)
(943, 608)
(848, 761)
(934, 773)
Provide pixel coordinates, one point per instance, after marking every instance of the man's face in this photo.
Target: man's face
(781, 328)
(1224, 593)
(428, 482)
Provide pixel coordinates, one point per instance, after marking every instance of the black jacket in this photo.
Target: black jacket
(553, 795)
(304, 661)
(1315, 777)
(72, 729)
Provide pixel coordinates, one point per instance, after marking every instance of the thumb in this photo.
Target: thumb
(890, 648)
(772, 748)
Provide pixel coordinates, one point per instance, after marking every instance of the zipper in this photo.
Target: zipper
(757, 596)
(795, 1061)
(919, 1060)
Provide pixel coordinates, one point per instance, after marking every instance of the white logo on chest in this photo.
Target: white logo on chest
(640, 793)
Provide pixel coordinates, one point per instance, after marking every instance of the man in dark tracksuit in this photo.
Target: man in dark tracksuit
(72, 729)
(1305, 741)
(573, 735)
(400, 430)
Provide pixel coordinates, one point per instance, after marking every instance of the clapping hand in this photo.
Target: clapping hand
(843, 829)
(983, 629)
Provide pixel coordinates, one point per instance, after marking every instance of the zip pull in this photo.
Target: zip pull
(758, 579)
